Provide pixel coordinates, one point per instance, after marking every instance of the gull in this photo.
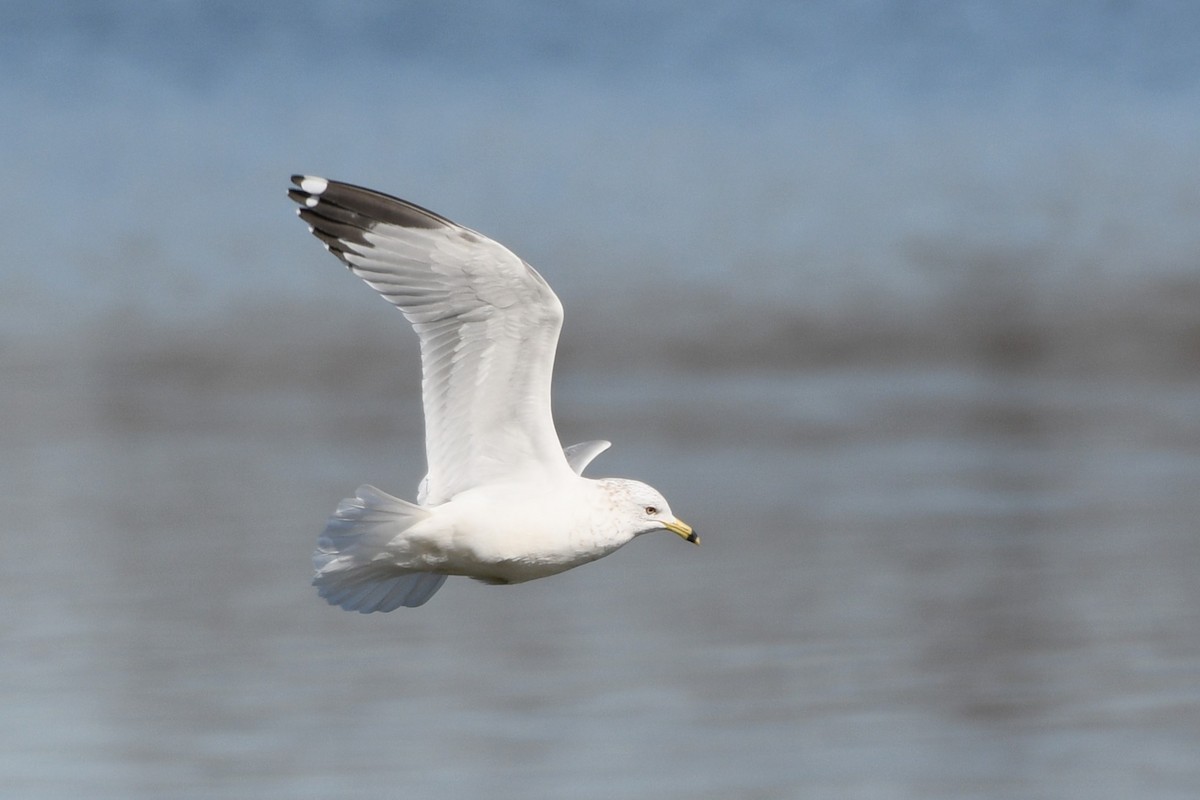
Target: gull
(502, 502)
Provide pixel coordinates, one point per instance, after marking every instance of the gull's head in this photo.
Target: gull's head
(643, 508)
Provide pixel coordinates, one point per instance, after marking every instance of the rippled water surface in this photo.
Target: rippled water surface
(940, 582)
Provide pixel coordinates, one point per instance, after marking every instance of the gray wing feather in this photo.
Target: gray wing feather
(487, 321)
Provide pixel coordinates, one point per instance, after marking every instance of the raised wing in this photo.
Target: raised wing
(488, 325)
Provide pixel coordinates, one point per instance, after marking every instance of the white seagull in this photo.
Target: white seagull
(502, 502)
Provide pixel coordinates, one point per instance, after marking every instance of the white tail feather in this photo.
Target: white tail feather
(356, 557)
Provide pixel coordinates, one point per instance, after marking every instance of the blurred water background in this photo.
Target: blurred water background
(898, 302)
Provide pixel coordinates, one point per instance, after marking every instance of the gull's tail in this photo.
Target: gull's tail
(355, 563)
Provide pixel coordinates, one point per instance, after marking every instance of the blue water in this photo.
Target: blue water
(812, 151)
(899, 303)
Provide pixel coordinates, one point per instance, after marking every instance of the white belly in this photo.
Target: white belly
(489, 534)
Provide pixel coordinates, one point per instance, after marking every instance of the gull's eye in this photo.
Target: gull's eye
(651, 510)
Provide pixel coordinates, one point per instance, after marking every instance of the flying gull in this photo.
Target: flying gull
(502, 502)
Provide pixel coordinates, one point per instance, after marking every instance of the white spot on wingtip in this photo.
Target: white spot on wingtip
(313, 186)
(311, 202)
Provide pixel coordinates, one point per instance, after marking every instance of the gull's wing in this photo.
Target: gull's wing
(488, 325)
(581, 454)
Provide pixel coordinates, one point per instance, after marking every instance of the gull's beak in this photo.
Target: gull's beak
(683, 529)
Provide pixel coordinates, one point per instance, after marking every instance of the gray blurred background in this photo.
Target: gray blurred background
(898, 302)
